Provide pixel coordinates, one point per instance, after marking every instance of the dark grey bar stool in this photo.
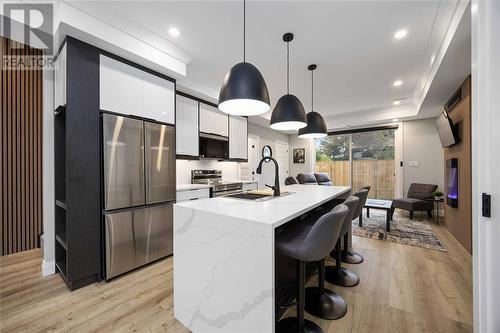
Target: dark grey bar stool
(308, 242)
(337, 274)
(321, 302)
(291, 180)
(349, 256)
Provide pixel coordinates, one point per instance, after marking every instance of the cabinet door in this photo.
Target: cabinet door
(238, 137)
(120, 87)
(187, 139)
(158, 98)
(60, 79)
(213, 121)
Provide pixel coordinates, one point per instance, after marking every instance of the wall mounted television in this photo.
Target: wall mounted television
(446, 130)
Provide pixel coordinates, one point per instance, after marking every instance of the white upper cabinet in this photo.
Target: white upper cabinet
(60, 79)
(120, 87)
(187, 140)
(158, 98)
(130, 91)
(238, 137)
(213, 121)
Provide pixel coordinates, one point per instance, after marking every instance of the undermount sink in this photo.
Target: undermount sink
(255, 197)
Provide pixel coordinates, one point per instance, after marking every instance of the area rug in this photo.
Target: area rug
(403, 230)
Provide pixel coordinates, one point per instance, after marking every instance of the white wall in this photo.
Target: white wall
(48, 263)
(308, 166)
(267, 136)
(485, 161)
(421, 145)
(184, 167)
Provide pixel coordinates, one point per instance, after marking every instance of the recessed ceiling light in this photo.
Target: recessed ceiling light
(400, 34)
(397, 83)
(395, 119)
(396, 102)
(174, 32)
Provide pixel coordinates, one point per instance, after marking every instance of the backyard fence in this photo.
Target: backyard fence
(379, 174)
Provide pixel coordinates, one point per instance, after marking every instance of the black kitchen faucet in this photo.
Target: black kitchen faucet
(276, 187)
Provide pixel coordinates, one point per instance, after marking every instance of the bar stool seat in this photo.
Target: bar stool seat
(306, 242)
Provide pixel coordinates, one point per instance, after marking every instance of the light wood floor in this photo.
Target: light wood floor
(403, 289)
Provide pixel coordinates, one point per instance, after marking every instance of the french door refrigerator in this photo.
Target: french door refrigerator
(139, 192)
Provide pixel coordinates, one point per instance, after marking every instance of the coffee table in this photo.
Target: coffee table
(378, 204)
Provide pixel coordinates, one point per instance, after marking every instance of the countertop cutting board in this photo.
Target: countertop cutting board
(263, 192)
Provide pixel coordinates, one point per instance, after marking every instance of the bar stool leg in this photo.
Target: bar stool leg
(299, 323)
(338, 275)
(350, 257)
(324, 303)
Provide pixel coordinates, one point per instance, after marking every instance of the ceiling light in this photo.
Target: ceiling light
(397, 83)
(174, 32)
(433, 58)
(396, 102)
(244, 91)
(395, 119)
(288, 114)
(316, 126)
(400, 34)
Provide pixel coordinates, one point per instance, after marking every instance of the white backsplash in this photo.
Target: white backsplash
(184, 167)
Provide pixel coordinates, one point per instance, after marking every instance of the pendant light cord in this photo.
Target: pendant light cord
(244, 28)
(288, 67)
(312, 90)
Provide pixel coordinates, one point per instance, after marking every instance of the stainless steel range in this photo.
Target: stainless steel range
(214, 178)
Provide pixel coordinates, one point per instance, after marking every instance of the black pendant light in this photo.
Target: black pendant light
(244, 91)
(316, 127)
(288, 114)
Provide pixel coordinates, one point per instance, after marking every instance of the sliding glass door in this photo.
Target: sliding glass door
(359, 159)
(333, 156)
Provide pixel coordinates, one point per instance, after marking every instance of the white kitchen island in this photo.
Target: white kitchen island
(224, 274)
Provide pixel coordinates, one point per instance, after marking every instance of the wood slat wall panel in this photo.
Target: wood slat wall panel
(459, 219)
(21, 151)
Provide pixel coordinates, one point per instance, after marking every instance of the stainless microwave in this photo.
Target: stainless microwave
(214, 146)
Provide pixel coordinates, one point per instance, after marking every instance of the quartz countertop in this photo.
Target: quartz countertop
(272, 212)
(190, 187)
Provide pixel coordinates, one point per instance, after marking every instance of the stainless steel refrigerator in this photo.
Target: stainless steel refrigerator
(139, 192)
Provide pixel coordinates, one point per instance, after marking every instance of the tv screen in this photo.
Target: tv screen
(446, 130)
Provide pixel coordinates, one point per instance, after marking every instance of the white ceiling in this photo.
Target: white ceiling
(453, 70)
(352, 42)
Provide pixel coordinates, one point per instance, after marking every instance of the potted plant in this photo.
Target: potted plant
(437, 194)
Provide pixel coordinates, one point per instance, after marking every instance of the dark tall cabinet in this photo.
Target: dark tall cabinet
(77, 164)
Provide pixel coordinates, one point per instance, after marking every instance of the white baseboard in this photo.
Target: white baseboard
(48, 267)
